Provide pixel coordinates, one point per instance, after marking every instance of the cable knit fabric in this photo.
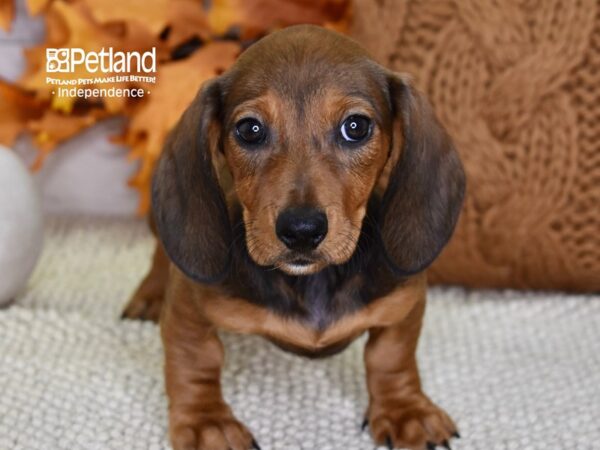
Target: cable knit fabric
(516, 370)
(517, 85)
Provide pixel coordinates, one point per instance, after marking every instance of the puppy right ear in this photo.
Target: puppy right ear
(187, 202)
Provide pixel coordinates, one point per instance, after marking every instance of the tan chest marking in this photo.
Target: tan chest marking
(240, 316)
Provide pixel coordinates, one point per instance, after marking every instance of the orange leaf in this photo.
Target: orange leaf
(80, 32)
(17, 107)
(342, 23)
(151, 14)
(36, 6)
(256, 17)
(71, 26)
(7, 13)
(53, 128)
(177, 85)
(186, 20)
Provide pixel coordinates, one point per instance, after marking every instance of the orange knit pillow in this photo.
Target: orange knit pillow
(517, 85)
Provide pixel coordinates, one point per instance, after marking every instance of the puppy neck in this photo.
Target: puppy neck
(320, 298)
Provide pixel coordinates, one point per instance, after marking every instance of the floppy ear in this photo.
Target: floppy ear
(426, 187)
(187, 202)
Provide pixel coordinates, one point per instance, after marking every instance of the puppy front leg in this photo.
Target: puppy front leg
(146, 303)
(199, 418)
(400, 415)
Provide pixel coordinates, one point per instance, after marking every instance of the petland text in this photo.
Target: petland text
(68, 60)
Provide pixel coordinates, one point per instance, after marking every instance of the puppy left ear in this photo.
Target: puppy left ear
(426, 187)
(188, 203)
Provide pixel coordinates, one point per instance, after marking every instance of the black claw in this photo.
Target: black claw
(446, 445)
(456, 434)
(255, 445)
(388, 442)
(365, 424)
(430, 446)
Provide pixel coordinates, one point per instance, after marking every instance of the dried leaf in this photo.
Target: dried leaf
(37, 6)
(150, 14)
(187, 19)
(178, 83)
(342, 23)
(72, 27)
(17, 107)
(256, 17)
(80, 32)
(7, 14)
(54, 127)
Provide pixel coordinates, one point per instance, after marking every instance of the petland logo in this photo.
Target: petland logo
(67, 60)
(110, 73)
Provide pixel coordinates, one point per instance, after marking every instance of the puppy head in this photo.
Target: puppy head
(308, 126)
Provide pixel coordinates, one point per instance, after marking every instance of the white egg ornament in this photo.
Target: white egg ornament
(21, 225)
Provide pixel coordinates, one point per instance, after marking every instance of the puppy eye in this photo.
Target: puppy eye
(250, 131)
(355, 128)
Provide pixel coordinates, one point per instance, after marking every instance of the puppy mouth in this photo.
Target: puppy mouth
(300, 266)
(301, 262)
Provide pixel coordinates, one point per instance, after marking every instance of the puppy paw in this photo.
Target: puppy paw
(416, 424)
(212, 433)
(144, 305)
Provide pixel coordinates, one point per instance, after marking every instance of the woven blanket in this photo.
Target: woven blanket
(517, 85)
(515, 370)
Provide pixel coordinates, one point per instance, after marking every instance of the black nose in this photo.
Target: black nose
(301, 228)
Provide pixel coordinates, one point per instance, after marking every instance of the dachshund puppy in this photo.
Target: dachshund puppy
(300, 197)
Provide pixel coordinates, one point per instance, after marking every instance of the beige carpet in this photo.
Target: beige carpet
(516, 370)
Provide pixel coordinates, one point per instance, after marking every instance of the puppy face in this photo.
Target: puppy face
(305, 150)
(307, 125)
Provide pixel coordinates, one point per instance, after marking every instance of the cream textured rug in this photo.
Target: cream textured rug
(515, 370)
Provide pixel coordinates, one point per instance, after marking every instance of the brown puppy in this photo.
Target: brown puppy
(300, 197)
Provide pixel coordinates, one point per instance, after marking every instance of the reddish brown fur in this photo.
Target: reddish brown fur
(340, 184)
(146, 302)
(262, 184)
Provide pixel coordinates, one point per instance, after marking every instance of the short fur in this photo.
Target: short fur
(392, 204)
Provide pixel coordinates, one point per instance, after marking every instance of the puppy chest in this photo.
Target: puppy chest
(315, 326)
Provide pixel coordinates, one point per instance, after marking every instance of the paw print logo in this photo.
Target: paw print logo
(57, 60)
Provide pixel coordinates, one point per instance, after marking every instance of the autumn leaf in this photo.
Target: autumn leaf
(186, 20)
(55, 127)
(37, 6)
(150, 14)
(80, 32)
(73, 27)
(7, 13)
(256, 17)
(21, 111)
(17, 107)
(178, 82)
